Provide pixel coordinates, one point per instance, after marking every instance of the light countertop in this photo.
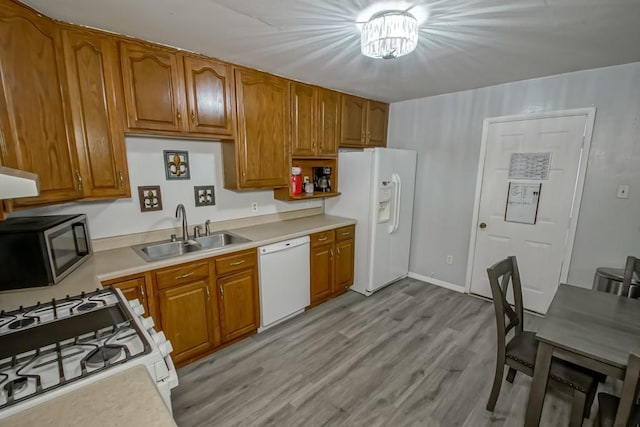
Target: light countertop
(127, 399)
(114, 263)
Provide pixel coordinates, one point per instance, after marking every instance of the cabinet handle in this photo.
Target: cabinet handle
(179, 116)
(184, 276)
(208, 293)
(144, 295)
(346, 233)
(322, 239)
(79, 178)
(331, 252)
(121, 175)
(238, 262)
(221, 292)
(338, 249)
(193, 116)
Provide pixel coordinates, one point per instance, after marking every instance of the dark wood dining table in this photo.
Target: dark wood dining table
(593, 329)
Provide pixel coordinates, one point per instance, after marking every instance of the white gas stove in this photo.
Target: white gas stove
(53, 348)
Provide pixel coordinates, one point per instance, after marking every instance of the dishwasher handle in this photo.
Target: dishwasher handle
(281, 246)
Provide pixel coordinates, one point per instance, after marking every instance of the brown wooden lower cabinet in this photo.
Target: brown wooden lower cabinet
(321, 273)
(187, 319)
(132, 288)
(344, 266)
(239, 307)
(332, 263)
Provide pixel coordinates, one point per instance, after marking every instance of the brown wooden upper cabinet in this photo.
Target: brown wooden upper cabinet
(170, 93)
(315, 116)
(210, 96)
(364, 122)
(153, 88)
(93, 77)
(260, 156)
(36, 124)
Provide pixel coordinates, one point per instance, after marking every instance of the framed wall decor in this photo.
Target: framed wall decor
(204, 195)
(176, 164)
(150, 198)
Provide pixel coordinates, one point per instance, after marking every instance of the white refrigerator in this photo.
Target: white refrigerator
(377, 187)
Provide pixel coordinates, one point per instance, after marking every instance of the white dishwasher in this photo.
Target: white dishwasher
(284, 280)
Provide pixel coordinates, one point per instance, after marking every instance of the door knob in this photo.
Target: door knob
(482, 225)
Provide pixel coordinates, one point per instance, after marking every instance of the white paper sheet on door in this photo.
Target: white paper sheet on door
(529, 165)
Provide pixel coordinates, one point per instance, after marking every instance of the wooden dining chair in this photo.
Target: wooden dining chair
(519, 353)
(632, 268)
(622, 411)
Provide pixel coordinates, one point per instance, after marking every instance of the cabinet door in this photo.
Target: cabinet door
(352, 125)
(377, 117)
(92, 69)
(210, 96)
(344, 266)
(187, 318)
(263, 130)
(328, 123)
(153, 88)
(303, 108)
(321, 273)
(239, 310)
(134, 289)
(36, 127)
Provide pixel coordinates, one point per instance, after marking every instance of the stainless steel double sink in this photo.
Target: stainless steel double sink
(166, 249)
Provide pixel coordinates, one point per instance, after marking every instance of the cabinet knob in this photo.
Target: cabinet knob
(121, 175)
(179, 116)
(482, 225)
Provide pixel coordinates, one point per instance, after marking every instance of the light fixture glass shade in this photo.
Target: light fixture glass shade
(389, 35)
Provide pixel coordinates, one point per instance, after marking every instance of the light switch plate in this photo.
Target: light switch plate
(623, 191)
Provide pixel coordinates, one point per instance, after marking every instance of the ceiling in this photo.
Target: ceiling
(463, 44)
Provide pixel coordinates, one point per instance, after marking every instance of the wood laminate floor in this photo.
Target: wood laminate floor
(412, 354)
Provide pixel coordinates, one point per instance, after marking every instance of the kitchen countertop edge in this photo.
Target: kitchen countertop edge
(122, 262)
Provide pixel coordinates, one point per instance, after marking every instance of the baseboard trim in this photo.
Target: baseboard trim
(437, 282)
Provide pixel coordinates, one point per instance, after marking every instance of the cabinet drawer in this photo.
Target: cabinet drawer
(322, 238)
(345, 233)
(235, 262)
(185, 273)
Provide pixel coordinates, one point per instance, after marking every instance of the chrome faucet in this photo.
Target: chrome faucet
(207, 227)
(180, 211)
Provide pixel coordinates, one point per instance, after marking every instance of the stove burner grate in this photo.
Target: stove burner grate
(21, 323)
(87, 306)
(103, 355)
(16, 386)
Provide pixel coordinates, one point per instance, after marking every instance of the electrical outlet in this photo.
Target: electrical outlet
(449, 259)
(254, 207)
(623, 191)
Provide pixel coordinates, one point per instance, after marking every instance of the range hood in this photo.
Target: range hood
(15, 183)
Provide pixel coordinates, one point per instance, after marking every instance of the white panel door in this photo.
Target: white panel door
(539, 247)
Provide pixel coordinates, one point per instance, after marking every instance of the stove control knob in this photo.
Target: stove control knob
(138, 309)
(159, 338)
(165, 348)
(147, 322)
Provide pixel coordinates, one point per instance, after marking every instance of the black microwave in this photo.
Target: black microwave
(41, 250)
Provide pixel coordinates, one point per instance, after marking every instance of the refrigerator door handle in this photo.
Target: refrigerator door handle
(396, 213)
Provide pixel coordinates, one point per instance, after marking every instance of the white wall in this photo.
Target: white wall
(446, 132)
(112, 218)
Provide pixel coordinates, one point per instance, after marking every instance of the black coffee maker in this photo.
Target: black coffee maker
(322, 179)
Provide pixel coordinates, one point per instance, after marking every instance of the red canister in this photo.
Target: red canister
(296, 181)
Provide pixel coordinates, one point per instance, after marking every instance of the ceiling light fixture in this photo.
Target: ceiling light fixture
(389, 35)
